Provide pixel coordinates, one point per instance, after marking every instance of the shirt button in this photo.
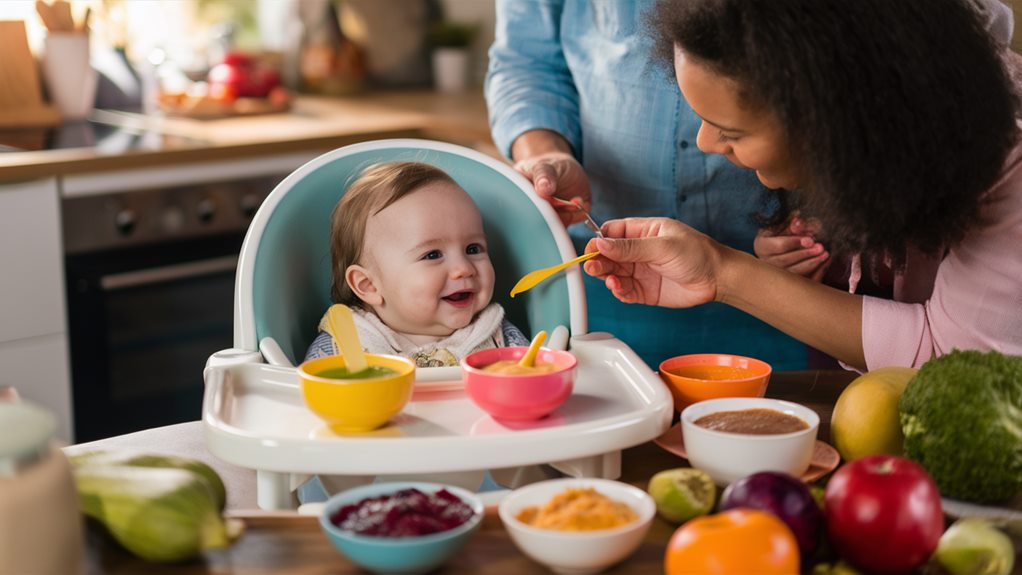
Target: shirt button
(684, 144)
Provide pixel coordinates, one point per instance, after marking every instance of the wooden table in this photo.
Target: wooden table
(287, 543)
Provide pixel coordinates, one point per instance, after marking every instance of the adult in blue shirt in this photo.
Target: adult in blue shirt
(576, 103)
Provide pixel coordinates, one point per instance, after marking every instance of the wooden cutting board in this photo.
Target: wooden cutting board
(21, 99)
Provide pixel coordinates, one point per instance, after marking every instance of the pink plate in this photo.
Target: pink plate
(825, 458)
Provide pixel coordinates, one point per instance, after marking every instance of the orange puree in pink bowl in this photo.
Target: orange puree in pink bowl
(505, 392)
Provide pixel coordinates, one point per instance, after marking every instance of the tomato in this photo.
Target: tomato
(883, 514)
(739, 541)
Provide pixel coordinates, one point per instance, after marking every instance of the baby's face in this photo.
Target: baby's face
(427, 253)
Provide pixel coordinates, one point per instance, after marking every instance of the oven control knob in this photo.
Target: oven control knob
(172, 218)
(125, 220)
(206, 210)
(250, 204)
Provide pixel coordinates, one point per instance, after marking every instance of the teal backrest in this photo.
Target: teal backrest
(283, 284)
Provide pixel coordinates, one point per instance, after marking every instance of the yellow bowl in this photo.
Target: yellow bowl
(354, 405)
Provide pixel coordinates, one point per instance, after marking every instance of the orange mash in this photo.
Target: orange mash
(713, 372)
(512, 368)
(578, 510)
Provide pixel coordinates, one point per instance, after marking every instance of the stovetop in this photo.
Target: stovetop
(103, 138)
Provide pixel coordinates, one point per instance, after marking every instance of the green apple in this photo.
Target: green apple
(683, 493)
(974, 546)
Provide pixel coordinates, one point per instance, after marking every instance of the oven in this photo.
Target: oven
(150, 293)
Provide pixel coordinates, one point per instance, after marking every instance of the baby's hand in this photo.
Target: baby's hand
(793, 248)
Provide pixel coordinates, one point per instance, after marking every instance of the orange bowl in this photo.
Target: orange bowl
(701, 376)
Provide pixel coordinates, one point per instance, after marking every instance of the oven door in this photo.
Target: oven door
(142, 322)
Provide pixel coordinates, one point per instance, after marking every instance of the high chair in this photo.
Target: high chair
(283, 281)
(284, 270)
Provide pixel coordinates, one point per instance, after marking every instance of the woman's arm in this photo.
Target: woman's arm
(659, 261)
(824, 317)
(528, 83)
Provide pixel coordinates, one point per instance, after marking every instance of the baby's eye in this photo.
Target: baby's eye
(433, 255)
(474, 249)
(725, 138)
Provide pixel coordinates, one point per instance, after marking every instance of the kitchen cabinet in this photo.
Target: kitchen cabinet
(33, 344)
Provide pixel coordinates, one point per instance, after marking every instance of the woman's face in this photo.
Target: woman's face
(749, 138)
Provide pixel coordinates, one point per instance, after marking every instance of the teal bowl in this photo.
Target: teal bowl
(414, 554)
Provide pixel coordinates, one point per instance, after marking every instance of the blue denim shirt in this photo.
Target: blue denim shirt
(583, 69)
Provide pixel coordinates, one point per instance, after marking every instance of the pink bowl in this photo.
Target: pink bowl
(518, 397)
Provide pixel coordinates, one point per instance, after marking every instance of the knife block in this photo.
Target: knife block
(21, 99)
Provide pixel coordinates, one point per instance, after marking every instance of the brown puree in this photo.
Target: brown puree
(757, 421)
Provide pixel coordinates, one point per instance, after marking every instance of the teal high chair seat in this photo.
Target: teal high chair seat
(284, 271)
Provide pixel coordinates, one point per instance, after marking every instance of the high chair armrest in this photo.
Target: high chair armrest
(558, 338)
(272, 352)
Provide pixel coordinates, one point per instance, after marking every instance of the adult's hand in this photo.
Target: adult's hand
(559, 174)
(545, 159)
(656, 261)
(794, 248)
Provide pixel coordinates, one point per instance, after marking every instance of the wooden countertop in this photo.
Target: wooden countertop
(313, 123)
(287, 543)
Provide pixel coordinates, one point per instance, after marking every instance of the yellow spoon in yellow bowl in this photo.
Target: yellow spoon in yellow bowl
(529, 359)
(342, 326)
(532, 279)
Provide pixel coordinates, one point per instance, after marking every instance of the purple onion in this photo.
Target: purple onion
(785, 496)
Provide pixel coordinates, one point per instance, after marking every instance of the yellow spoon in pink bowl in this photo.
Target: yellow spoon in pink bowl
(534, 278)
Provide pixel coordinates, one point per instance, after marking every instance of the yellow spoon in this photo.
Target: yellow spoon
(532, 279)
(530, 356)
(342, 326)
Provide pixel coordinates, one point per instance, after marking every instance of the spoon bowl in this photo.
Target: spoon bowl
(534, 278)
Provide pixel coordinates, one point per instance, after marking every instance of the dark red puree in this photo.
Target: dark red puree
(403, 513)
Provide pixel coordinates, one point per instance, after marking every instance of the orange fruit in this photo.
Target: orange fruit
(735, 542)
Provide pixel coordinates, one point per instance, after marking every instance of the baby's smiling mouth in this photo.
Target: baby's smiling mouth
(459, 298)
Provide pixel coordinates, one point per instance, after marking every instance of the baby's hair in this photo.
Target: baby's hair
(377, 187)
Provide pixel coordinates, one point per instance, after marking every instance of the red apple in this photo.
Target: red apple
(883, 514)
(244, 75)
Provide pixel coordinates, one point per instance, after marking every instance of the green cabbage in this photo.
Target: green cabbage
(962, 420)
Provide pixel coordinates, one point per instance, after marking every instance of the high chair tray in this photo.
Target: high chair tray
(254, 416)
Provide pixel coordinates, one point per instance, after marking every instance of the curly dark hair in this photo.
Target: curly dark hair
(901, 110)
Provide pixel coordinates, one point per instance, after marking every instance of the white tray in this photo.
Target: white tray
(254, 417)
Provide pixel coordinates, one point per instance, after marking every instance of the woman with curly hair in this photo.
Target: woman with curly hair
(894, 125)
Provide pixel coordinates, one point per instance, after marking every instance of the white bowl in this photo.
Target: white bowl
(727, 457)
(577, 552)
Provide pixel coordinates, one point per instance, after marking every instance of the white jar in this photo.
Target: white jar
(40, 525)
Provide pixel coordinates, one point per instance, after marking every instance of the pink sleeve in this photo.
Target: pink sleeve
(976, 297)
(895, 333)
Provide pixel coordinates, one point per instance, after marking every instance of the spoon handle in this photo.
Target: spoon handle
(532, 279)
(343, 326)
(530, 356)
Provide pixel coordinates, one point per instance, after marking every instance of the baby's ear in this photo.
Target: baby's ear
(363, 285)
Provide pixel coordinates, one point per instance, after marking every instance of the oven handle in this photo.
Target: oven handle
(168, 273)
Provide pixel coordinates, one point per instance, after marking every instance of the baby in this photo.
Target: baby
(410, 259)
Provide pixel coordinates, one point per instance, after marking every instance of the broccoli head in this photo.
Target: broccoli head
(962, 420)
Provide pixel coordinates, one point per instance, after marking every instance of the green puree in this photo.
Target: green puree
(368, 373)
